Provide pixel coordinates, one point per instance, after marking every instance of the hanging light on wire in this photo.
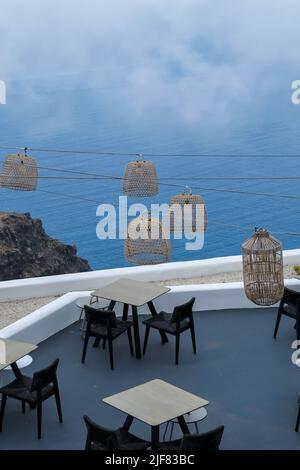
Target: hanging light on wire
(193, 213)
(19, 172)
(146, 242)
(263, 268)
(140, 178)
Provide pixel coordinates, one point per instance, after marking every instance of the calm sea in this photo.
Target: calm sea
(68, 117)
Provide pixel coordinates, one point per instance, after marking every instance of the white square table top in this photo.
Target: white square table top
(11, 351)
(155, 402)
(131, 292)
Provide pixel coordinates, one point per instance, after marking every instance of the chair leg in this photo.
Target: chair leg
(23, 406)
(171, 429)
(58, 404)
(86, 340)
(104, 343)
(193, 338)
(196, 426)
(81, 313)
(2, 411)
(39, 419)
(146, 339)
(111, 355)
(298, 421)
(130, 340)
(277, 324)
(166, 429)
(88, 443)
(177, 347)
(96, 342)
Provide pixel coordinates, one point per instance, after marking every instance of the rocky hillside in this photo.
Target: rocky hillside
(27, 251)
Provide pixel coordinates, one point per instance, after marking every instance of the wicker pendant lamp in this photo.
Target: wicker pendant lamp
(263, 268)
(19, 172)
(146, 242)
(140, 178)
(186, 200)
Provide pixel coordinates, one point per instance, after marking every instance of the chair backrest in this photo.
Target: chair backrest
(207, 441)
(100, 317)
(96, 434)
(291, 296)
(181, 312)
(44, 377)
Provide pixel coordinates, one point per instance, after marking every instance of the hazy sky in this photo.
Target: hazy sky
(210, 61)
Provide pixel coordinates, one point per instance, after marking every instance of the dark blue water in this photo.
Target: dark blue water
(64, 117)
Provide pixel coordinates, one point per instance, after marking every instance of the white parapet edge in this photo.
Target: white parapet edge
(60, 284)
(60, 313)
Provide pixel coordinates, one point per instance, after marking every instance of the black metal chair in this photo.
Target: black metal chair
(35, 391)
(100, 438)
(173, 324)
(290, 307)
(298, 418)
(207, 441)
(102, 324)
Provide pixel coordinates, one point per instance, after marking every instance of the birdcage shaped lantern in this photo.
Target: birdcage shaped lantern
(19, 172)
(263, 268)
(146, 242)
(140, 178)
(188, 212)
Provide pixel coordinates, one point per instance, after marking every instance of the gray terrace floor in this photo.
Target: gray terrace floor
(248, 378)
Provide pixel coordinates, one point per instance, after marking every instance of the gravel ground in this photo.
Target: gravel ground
(234, 276)
(13, 311)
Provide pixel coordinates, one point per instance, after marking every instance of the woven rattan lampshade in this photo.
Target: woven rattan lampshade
(140, 179)
(19, 172)
(263, 268)
(151, 247)
(188, 200)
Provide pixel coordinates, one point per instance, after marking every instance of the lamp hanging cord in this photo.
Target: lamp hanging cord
(212, 221)
(150, 154)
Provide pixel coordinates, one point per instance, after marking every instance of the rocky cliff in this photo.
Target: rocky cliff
(27, 251)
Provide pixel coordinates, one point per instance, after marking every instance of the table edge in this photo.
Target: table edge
(135, 305)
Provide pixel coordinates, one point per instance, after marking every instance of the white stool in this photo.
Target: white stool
(80, 303)
(190, 418)
(21, 363)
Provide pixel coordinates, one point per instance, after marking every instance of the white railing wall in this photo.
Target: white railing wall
(57, 285)
(62, 312)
